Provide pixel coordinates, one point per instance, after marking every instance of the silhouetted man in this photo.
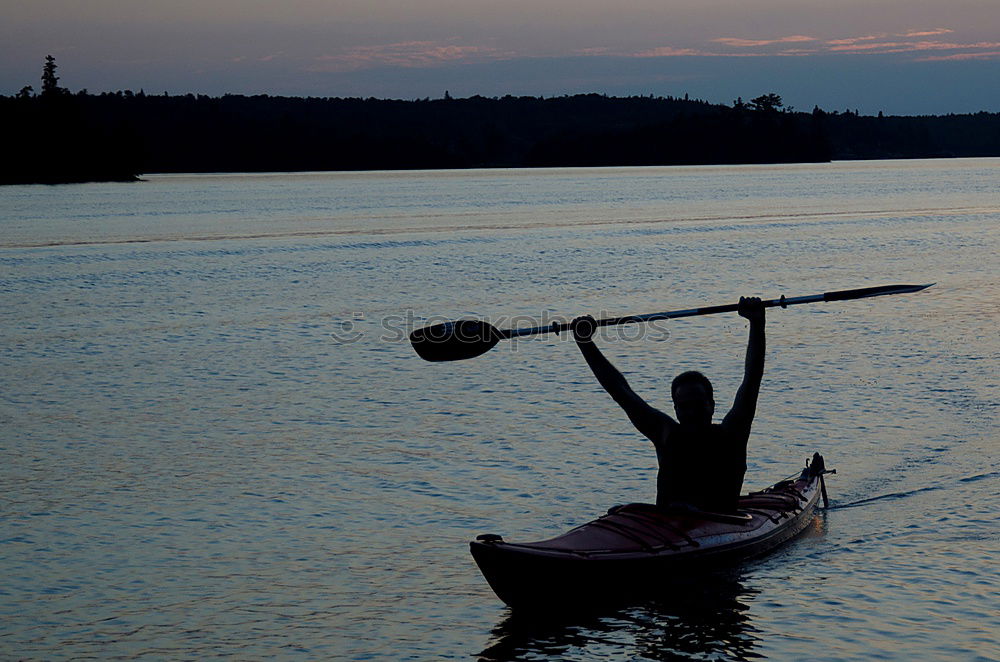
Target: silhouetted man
(701, 463)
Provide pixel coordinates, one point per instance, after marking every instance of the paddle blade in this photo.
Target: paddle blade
(844, 295)
(455, 341)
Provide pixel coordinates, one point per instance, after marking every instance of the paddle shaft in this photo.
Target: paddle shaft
(840, 295)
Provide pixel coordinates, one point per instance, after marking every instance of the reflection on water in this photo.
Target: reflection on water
(703, 617)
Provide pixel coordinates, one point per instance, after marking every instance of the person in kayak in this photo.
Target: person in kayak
(701, 463)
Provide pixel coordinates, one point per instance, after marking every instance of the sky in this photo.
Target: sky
(896, 56)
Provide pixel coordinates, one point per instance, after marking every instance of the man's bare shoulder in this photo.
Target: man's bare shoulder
(665, 427)
(736, 425)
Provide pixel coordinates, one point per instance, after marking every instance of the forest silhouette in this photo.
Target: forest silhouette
(56, 136)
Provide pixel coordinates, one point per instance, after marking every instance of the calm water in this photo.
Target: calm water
(216, 444)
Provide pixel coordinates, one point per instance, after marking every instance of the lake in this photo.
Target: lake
(217, 442)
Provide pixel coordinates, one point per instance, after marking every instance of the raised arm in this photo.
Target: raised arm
(745, 405)
(649, 421)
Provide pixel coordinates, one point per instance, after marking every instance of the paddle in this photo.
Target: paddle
(464, 339)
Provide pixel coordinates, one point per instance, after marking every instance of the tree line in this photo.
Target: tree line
(58, 136)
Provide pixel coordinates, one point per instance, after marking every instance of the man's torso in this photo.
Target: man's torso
(703, 467)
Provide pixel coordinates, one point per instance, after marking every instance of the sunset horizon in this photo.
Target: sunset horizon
(894, 57)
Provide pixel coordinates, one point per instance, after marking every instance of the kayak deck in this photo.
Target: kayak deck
(635, 544)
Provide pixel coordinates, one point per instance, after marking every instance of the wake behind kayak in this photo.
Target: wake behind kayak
(638, 544)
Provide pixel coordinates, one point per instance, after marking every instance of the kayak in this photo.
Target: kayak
(637, 545)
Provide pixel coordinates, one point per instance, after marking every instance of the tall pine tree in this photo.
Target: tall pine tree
(50, 82)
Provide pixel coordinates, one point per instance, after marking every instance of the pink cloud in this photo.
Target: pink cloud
(926, 33)
(800, 52)
(602, 50)
(850, 41)
(858, 48)
(432, 53)
(263, 58)
(909, 47)
(403, 54)
(870, 44)
(747, 43)
(854, 40)
(939, 45)
(987, 55)
(669, 51)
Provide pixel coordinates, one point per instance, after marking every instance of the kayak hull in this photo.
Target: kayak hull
(638, 546)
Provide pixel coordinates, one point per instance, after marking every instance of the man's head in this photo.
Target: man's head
(693, 401)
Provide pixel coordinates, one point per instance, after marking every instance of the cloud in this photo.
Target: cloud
(985, 55)
(749, 43)
(263, 58)
(913, 46)
(854, 40)
(404, 54)
(860, 48)
(926, 33)
(910, 41)
(430, 54)
(669, 51)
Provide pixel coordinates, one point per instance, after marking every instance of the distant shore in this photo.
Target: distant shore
(109, 137)
(75, 179)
